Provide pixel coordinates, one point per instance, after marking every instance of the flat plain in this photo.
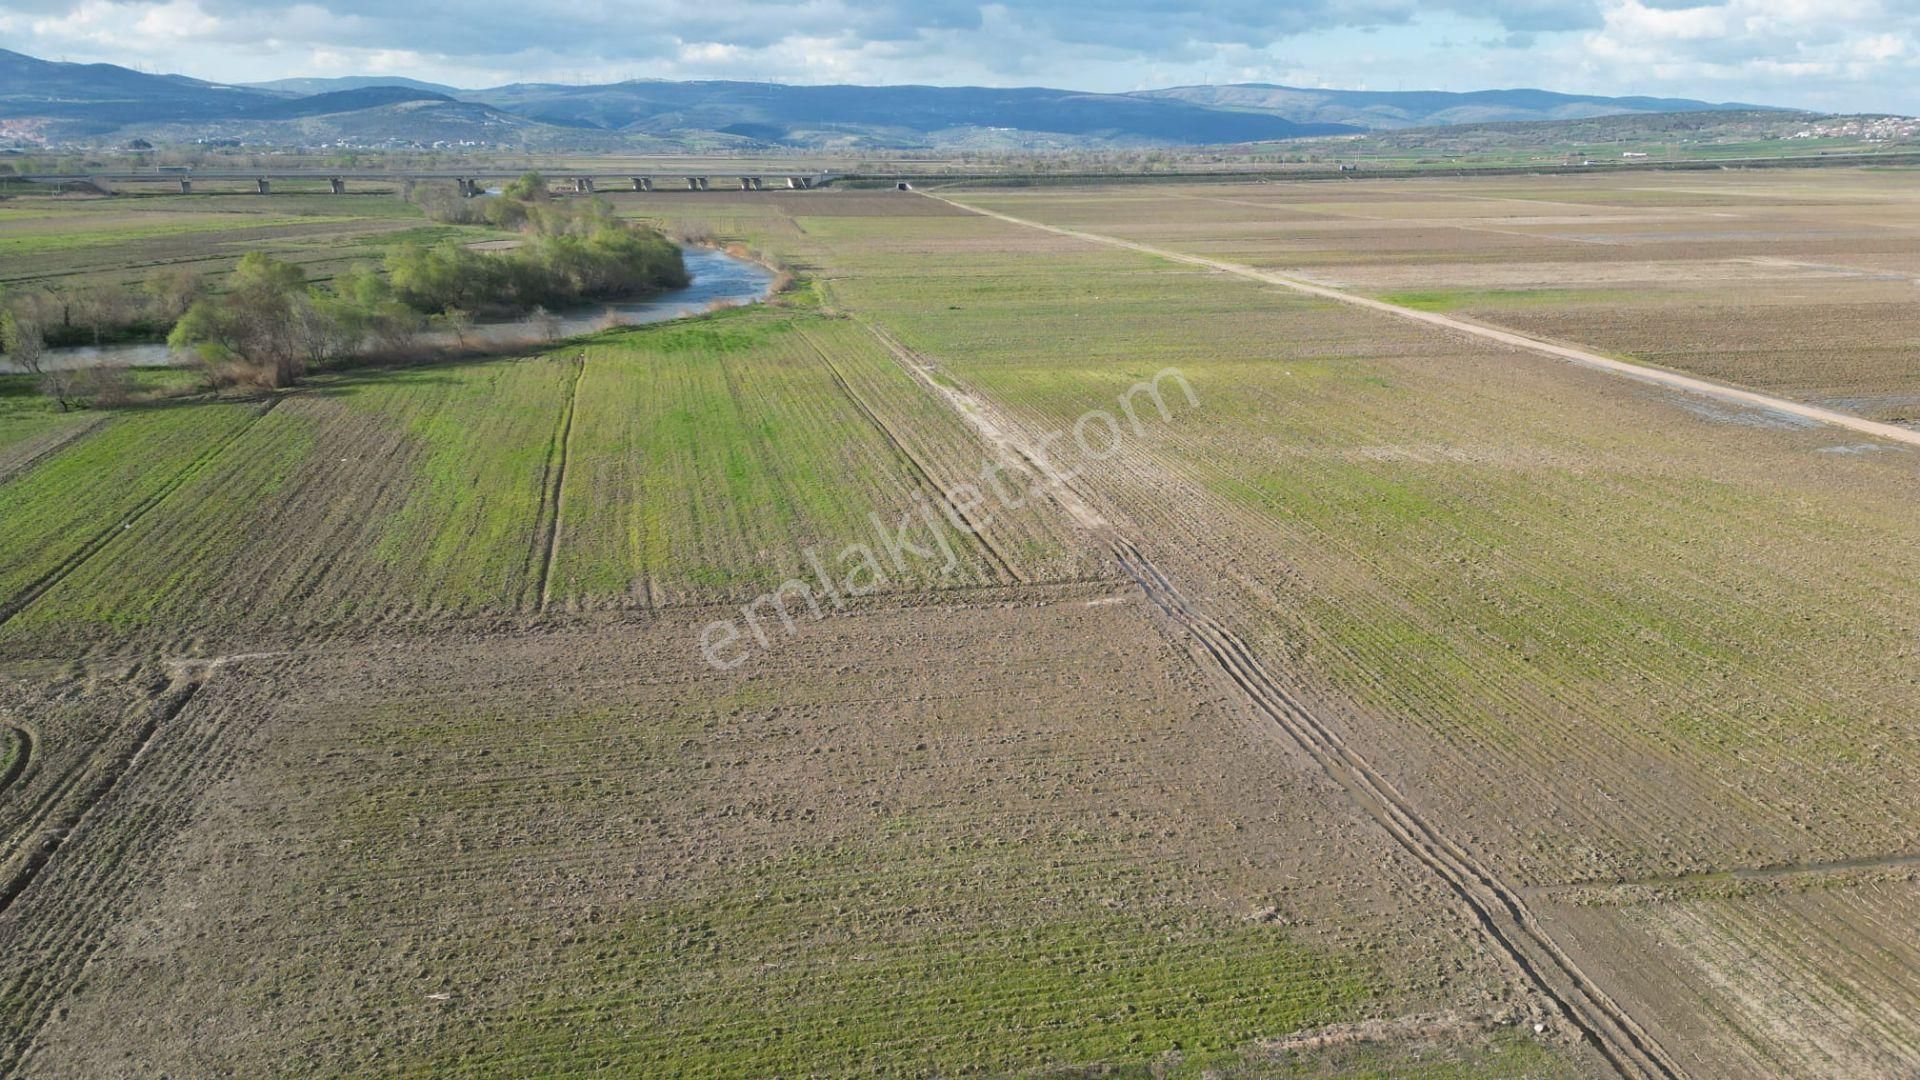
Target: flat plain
(1398, 704)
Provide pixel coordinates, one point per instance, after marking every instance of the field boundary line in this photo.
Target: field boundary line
(912, 463)
(563, 447)
(1496, 909)
(94, 546)
(66, 439)
(1779, 872)
(1658, 376)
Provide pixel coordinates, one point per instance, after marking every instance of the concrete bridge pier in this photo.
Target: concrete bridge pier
(643, 183)
(583, 185)
(265, 186)
(337, 186)
(186, 186)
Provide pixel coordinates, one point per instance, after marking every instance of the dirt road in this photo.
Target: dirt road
(1657, 376)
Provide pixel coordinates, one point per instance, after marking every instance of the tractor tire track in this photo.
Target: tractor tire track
(1497, 909)
(170, 704)
(975, 529)
(22, 754)
(555, 483)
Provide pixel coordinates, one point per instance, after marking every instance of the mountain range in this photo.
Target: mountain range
(53, 102)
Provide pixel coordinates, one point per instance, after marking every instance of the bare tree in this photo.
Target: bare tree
(100, 308)
(460, 321)
(171, 291)
(22, 337)
(546, 323)
(107, 387)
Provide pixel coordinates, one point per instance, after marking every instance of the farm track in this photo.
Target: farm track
(92, 547)
(1658, 376)
(913, 464)
(555, 483)
(1496, 908)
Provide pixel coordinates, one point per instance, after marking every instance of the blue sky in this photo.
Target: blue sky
(1851, 55)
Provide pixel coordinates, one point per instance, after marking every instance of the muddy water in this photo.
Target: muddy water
(717, 278)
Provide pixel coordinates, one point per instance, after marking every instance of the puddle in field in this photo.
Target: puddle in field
(717, 278)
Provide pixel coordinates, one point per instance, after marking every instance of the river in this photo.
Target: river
(717, 278)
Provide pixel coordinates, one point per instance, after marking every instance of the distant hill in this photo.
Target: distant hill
(102, 97)
(1742, 125)
(305, 87)
(342, 101)
(82, 103)
(886, 115)
(416, 121)
(1392, 109)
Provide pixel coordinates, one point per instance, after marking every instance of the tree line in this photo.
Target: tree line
(270, 324)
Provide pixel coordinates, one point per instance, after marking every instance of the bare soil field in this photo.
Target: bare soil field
(1774, 282)
(534, 853)
(1732, 969)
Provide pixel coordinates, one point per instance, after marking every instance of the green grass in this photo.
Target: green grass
(26, 245)
(96, 486)
(465, 530)
(706, 458)
(397, 492)
(1463, 299)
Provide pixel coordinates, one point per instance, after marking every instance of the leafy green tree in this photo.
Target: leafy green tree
(262, 322)
(530, 187)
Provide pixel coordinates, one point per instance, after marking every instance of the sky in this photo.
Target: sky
(1836, 55)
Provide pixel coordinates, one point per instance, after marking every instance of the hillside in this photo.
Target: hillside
(343, 101)
(304, 87)
(415, 121)
(98, 98)
(887, 115)
(42, 102)
(1388, 109)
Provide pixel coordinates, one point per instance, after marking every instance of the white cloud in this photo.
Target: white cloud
(1852, 54)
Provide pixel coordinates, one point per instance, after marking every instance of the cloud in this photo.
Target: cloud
(1856, 53)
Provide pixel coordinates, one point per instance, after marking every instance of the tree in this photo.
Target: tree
(22, 337)
(546, 323)
(531, 187)
(263, 321)
(460, 322)
(100, 308)
(171, 291)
